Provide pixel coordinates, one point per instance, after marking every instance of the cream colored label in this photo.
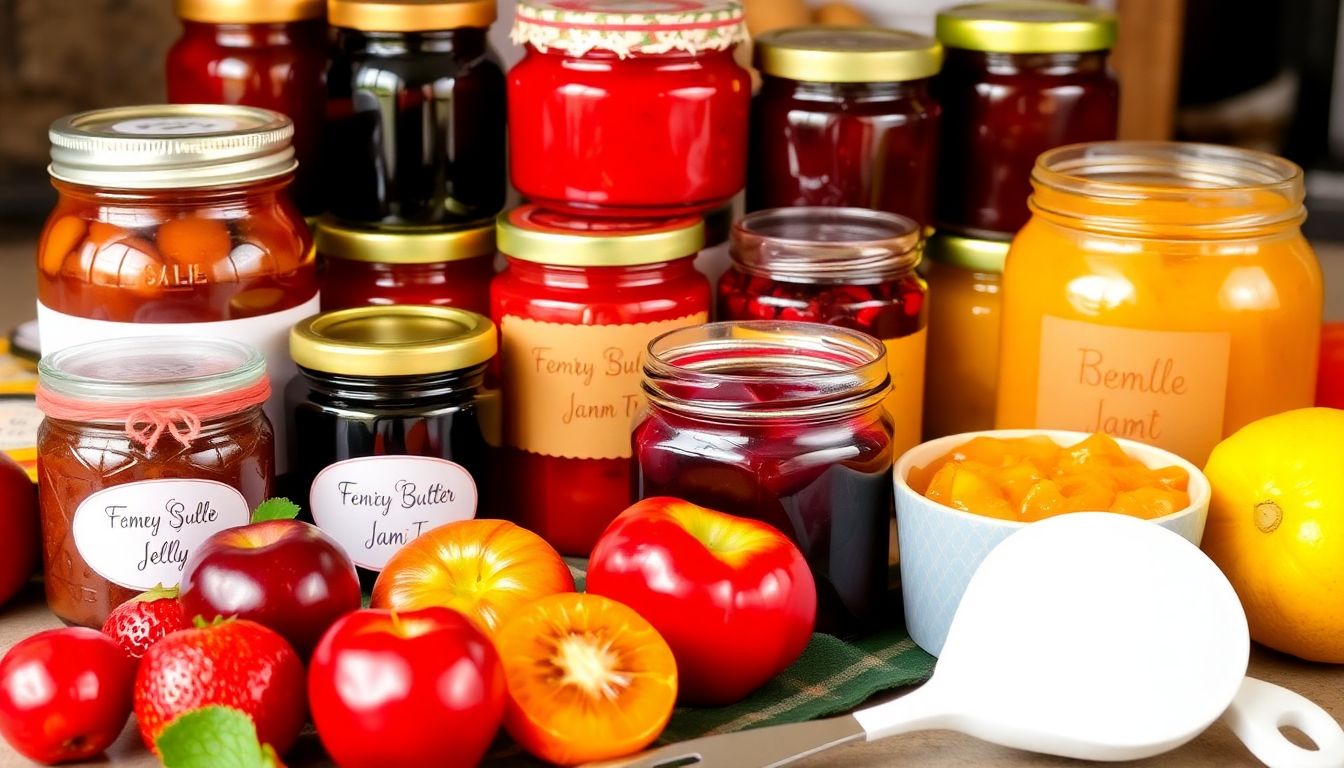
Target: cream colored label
(574, 390)
(1164, 388)
(905, 360)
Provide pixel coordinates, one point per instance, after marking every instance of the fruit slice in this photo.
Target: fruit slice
(589, 679)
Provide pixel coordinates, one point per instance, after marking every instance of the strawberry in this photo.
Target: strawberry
(143, 620)
(231, 663)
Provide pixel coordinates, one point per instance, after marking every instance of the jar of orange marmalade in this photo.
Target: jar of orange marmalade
(1161, 292)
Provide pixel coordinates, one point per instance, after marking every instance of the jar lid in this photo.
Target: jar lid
(171, 146)
(1027, 26)
(628, 27)
(410, 15)
(535, 234)
(820, 244)
(335, 241)
(820, 54)
(150, 369)
(970, 253)
(402, 340)
(249, 11)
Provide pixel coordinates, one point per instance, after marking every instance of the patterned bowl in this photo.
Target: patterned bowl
(941, 547)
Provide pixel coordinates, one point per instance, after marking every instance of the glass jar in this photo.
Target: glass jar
(1019, 78)
(713, 259)
(450, 268)
(844, 117)
(1161, 292)
(148, 447)
(389, 441)
(849, 267)
(415, 114)
(965, 278)
(576, 306)
(781, 422)
(176, 220)
(623, 108)
(259, 53)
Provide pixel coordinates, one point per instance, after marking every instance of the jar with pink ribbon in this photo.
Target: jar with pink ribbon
(149, 446)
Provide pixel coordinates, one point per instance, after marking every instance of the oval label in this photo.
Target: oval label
(138, 535)
(376, 504)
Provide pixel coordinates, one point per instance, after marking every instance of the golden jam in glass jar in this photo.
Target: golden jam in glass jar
(1161, 292)
(149, 446)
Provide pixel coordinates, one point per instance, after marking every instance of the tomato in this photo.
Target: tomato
(733, 597)
(1330, 372)
(65, 694)
(417, 688)
(19, 519)
(588, 679)
(487, 569)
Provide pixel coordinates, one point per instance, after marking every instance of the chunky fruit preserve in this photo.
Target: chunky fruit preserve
(149, 446)
(576, 307)
(629, 108)
(847, 267)
(782, 422)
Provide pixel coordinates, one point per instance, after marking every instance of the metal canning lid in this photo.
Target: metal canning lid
(821, 244)
(820, 54)
(151, 369)
(534, 234)
(249, 11)
(335, 241)
(171, 146)
(403, 340)
(1027, 26)
(970, 253)
(629, 27)
(410, 15)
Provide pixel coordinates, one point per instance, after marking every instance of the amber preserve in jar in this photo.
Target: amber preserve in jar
(149, 445)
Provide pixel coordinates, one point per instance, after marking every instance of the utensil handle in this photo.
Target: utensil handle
(1260, 709)
(917, 710)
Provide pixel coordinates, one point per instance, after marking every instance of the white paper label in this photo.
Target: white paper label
(19, 420)
(268, 333)
(139, 534)
(376, 504)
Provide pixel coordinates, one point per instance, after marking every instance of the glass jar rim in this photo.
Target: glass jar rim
(824, 244)
(811, 371)
(151, 369)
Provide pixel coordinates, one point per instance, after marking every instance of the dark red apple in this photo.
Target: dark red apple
(18, 521)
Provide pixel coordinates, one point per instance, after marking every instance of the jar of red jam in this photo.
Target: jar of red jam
(629, 108)
(576, 306)
(149, 446)
(844, 117)
(446, 268)
(1019, 78)
(782, 422)
(415, 114)
(849, 267)
(176, 220)
(259, 53)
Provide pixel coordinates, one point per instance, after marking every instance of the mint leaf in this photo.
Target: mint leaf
(275, 509)
(212, 737)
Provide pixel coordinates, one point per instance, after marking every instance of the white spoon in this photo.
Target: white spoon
(1090, 635)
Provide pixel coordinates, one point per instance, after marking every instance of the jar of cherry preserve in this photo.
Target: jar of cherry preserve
(850, 267)
(1019, 78)
(149, 446)
(576, 306)
(260, 53)
(450, 268)
(844, 117)
(176, 220)
(782, 422)
(629, 108)
(415, 114)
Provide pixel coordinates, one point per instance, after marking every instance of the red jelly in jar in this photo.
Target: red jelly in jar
(1019, 78)
(628, 108)
(844, 117)
(576, 308)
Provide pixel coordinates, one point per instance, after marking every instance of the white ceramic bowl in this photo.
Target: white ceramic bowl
(941, 547)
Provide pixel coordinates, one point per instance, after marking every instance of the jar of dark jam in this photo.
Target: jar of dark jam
(387, 420)
(415, 114)
(849, 267)
(1019, 78)
(844, 117)
(149, 446)
(782, 422)
(448, 268)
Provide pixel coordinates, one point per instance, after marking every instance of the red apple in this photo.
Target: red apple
(18, 519)
(284, 574)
